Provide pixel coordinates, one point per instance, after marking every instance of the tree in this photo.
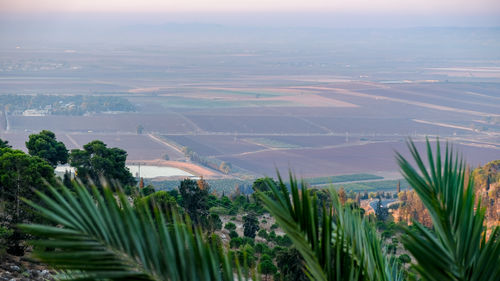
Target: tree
(97, 162)
(158, 201)
(147, 190)
(342, 195)
(262, 233)
(212, 223)
(336, 244)
(260, 184)
(233, 234)
(266, 266)
(19, 175)
(246, 256)
(261, 248)
(4, 144)
(291, 265)
(195, 199)
(100, 236)
(235, 242)
(404, 258)
(380, 211)
(230, 226)
(140, 129)
(250, 225)
(46, 146)
(67, 179)
(460, 247)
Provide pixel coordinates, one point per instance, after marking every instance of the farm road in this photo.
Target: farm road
(158, 140)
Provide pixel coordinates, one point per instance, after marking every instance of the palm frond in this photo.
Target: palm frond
(336, 244)
(457, 249)
(101, 236)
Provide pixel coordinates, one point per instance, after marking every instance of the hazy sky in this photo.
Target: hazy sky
(358, 6)
(288, 13)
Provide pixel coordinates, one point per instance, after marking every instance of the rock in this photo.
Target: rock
(15, 268)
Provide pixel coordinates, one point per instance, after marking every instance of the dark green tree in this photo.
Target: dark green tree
(262, 233)
(380, 211)
(158, 201)
(194, 199)
(4, 144)
(404, 258)
(266, 266)
(67, 179)
(233, 234)
(291, 265)
(250, 225)
(212, 223)
(20, 173)
(235, 242)
(230, 226)
(148, 190)
(46, 146)
(246, 256)
(261, 185)
(97, 162)
(261, 248)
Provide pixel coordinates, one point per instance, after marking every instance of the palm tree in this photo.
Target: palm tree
(100, 236)
(338, 244)
(335, 242)
(459, 247)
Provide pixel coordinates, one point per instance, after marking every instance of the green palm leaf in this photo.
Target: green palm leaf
(102, 237)
(336, 244)
(458, 249)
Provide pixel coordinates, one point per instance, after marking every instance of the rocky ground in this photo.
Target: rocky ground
(14, 268)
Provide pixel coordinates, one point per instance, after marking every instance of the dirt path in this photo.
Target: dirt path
(159, 140)
(72, 140)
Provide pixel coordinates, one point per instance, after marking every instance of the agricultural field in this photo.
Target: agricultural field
(371, 157)
(256, 107)
(270, 124)
(314, 141)
(104, 123)
(212, 145)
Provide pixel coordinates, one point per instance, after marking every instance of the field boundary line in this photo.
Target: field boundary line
(159, 140)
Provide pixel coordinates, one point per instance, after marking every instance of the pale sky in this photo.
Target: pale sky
(444, 7)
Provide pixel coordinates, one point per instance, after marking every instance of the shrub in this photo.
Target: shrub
(404, 258)
(233, 234)
(230, 226)
(235, 242)
(218, 210)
